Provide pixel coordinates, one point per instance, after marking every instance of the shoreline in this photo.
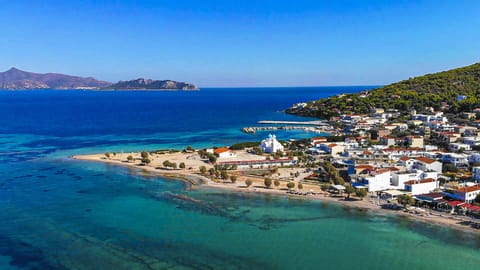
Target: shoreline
(193, 180)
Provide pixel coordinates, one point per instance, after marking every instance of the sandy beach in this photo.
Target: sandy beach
(194, 179)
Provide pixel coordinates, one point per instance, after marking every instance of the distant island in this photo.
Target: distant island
(451, 91)
(152, 84)
(16, 79)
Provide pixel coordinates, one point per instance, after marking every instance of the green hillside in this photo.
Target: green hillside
(438, 90)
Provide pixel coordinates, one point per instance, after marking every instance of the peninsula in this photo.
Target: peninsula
(15, 79)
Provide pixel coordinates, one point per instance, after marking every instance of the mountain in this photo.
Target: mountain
(152, 84)
(18, 79)
(454, 91)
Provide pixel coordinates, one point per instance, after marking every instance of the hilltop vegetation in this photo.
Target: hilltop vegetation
(439, 91)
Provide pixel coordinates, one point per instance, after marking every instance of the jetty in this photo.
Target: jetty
(253, 130)
(304, 123)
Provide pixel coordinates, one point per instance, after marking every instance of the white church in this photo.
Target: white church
(271, 145)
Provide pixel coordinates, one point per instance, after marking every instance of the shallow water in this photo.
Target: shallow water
(62, 214)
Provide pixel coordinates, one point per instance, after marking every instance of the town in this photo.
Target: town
(424, 164)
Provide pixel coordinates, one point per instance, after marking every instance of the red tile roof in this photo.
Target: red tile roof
(425, 160)
(468, 189)
(221, 150)
(455, 203)
(423, 181)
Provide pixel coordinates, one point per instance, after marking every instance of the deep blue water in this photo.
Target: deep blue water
(58, 213)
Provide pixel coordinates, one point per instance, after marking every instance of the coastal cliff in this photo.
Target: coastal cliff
(15, 79)
(454, 91)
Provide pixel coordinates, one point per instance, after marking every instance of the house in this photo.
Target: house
(464, 194)
(375, 134)
(377, 180)
(224, 152)
(427, 164)
(400, 178)
(351, 142)
(316, 141)
(476, 173)
(472, 141)
(271, 145)
(423, 186)
(459, 147)
(458, 160)
(333, 149)
(387, 140)
(415, 141)
(407, 162)
(474, 158)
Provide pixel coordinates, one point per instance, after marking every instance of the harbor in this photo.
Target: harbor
(318, 126)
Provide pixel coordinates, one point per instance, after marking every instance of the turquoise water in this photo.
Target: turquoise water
(62, 214)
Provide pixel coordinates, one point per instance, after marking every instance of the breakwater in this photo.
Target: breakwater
(253, 130)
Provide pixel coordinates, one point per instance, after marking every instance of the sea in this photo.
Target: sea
(59, 213)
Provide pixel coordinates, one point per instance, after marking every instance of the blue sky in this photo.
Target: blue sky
(241, 43)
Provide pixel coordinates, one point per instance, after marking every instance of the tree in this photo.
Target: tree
(166, 163)
(300, 186)
(349, 190)
(361, 193)
(248, 182)
(290, 185)
(129, 158)
(405, 200)
(212, 158)
(276, 183)
(182, 165)
(190, 148)
(107, 154)
(477, 200)
(449, 167)
(146, 160)
(212, 171)
(257, 150)
(144, 154)
(224, 174)
(268, 182)
(173, 165)
(233, 178)
(203, 169)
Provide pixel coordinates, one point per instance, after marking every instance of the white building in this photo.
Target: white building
(335, 149)
(378, 181)
(458, 160)
(224, 152)
(400, 178)
(427, 164)
(456, 147)
(465, 194)
(421, 186)
(271, 145)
